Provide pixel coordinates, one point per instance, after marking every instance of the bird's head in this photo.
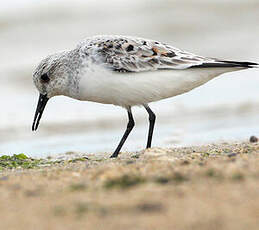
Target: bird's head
(54, 76)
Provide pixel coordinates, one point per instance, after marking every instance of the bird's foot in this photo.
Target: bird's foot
(114, 155)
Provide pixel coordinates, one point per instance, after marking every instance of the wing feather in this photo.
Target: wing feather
(130, 54)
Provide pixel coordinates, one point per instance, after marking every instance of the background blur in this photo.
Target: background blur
(224, 109)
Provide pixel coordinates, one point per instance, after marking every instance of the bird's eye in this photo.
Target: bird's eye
(45, 78)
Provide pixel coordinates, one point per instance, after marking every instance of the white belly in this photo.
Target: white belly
(128, 89)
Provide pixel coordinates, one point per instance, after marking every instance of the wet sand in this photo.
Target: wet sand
(206, 187)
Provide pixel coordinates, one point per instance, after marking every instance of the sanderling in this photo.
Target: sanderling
(125, 71)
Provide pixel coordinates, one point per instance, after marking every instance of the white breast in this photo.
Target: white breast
(128, 89)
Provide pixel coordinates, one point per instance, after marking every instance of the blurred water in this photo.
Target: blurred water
(224, 109)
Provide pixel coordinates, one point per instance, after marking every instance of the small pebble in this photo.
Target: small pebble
(253, 139)
(150, 207)
(75, 174)
(185, 162)
(4, 178)
(231, 154)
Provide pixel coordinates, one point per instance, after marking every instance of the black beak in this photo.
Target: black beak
(43, 99)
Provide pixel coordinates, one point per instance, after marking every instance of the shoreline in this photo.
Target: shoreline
(203, 187)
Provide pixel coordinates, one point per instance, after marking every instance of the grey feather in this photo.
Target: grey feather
(124, 53)
(131, 54)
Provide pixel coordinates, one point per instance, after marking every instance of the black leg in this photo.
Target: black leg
(130, 126)
(152, 119)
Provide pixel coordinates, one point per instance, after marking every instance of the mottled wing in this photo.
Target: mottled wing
(129, 54)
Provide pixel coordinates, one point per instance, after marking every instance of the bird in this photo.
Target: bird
(125, 71)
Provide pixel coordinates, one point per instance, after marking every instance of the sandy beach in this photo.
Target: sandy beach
(206, 187)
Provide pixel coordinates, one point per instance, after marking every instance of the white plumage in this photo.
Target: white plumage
(129, 89)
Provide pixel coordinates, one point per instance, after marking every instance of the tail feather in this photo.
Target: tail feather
(221, 63)
(243, 64)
